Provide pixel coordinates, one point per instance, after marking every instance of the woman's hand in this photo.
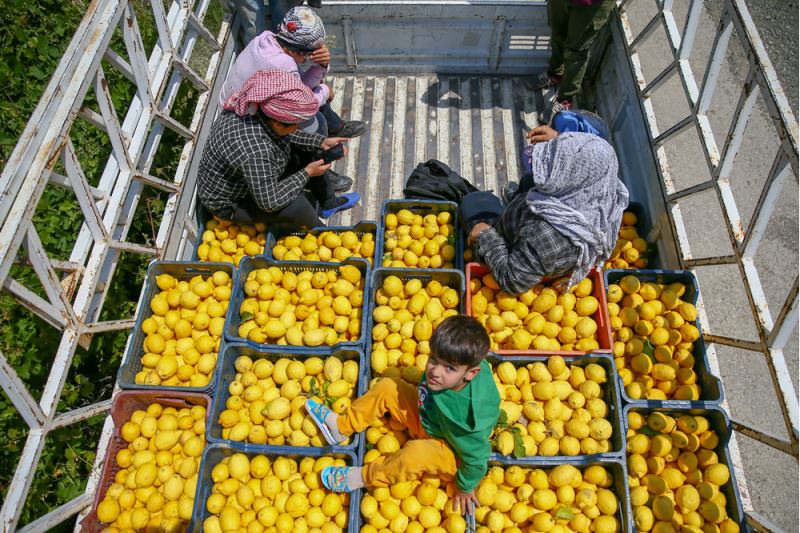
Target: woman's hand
(541, 134)
(321, 56)
(477, 230)
(317, 168)
(466, 501)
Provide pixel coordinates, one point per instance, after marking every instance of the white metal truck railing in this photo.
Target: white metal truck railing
(775, 324)
(107, 208)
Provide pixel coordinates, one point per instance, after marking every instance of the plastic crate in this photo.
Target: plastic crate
(227, 372)
(132, 362)
(616, 467)
(604, 338)
(123, 406)
(216, 452)
(611, 396)
(420, 207)
(248, 264)
(447, 277)
(719, 422)
(280, 231)
(711, 392)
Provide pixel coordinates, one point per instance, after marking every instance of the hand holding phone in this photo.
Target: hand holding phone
(333, 153)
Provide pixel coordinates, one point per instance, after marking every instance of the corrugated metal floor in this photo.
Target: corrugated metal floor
(475, 125)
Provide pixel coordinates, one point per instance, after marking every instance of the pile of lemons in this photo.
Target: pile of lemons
(155, 486)
(226, 241)
(556, 409)
(257, 493)
(332, 246)
(266, 400)
(414, 241)
(560, 500)
(184, 331)
(631, 249)
(404, 318)
(538, 319)
(675, 475)
(307, 308)
(425, 505)
(654, 333)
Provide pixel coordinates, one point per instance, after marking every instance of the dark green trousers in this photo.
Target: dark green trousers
(573, 29)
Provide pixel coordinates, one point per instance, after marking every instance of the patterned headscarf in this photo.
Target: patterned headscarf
(301, 30)
(280, 95)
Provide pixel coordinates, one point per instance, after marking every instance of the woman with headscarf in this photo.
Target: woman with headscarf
(560, 223)
(256, 163)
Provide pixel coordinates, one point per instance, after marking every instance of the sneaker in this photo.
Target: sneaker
(543, 81)
(509, 191)
(556, 107)
(339, 182)
(350, 129)
(340, 203)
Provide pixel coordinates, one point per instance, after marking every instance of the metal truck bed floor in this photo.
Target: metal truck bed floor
(476, 125)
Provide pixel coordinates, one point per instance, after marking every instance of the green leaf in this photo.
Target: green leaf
(247, 316)
(519, 445)
(565, 513)
(649, 349)
(647, 431)
(502, 421)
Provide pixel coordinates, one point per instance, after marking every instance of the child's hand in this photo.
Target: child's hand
(466, 501)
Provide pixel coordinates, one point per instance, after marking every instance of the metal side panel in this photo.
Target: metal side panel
(465, 37)
(476, 125)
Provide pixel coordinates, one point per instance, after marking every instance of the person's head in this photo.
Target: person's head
(300, 33)
(280, 96)
(458, 346)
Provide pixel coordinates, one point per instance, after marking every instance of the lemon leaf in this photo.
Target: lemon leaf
(519, 446)
(565, 513)
(647, 431)
(502, 420)
(648, 349)
(247, 316)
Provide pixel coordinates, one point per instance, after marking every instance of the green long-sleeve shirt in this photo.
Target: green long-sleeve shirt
(465, 420)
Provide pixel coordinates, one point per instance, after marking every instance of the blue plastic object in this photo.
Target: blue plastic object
(719, 422)
(217, 452)
(226, 373)
(182, 271)
(611, 395)
(248, 264)
(352, 198)
(422, 208)
(711, 392)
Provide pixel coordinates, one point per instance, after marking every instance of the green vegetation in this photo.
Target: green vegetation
(34, 36)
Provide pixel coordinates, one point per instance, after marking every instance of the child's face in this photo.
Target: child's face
(442, 375)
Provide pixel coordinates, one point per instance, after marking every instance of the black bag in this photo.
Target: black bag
(433, 180)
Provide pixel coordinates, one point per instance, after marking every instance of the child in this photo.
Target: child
(450, 415)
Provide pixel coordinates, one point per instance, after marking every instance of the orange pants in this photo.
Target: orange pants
(422, 455)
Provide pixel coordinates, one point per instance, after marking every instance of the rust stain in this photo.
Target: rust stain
(57, 152)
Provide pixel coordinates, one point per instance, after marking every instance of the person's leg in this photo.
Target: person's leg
(323, 127)
(389, 395)
(557, 19)
(334, 121)
(415, 459)
(479, 206)
(252, 19)
(584, 25)
(299, 213)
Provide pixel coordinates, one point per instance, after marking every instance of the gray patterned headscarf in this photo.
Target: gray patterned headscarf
(301, 30)
(576, 190)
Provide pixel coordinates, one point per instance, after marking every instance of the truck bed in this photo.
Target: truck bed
(476, 125)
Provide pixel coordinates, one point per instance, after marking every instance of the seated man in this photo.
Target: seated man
(256, 163)
(300, 37)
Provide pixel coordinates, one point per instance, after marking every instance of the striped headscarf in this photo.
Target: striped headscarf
(280, 95)
(302, 30)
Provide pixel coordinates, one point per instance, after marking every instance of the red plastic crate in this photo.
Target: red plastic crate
(478, 270)
(125, 403)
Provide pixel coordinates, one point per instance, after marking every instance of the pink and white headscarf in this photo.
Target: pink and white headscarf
(280, 95)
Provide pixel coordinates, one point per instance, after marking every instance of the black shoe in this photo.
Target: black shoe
(316, 4)
(509, 191)
(340, 183)
(350, 129)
